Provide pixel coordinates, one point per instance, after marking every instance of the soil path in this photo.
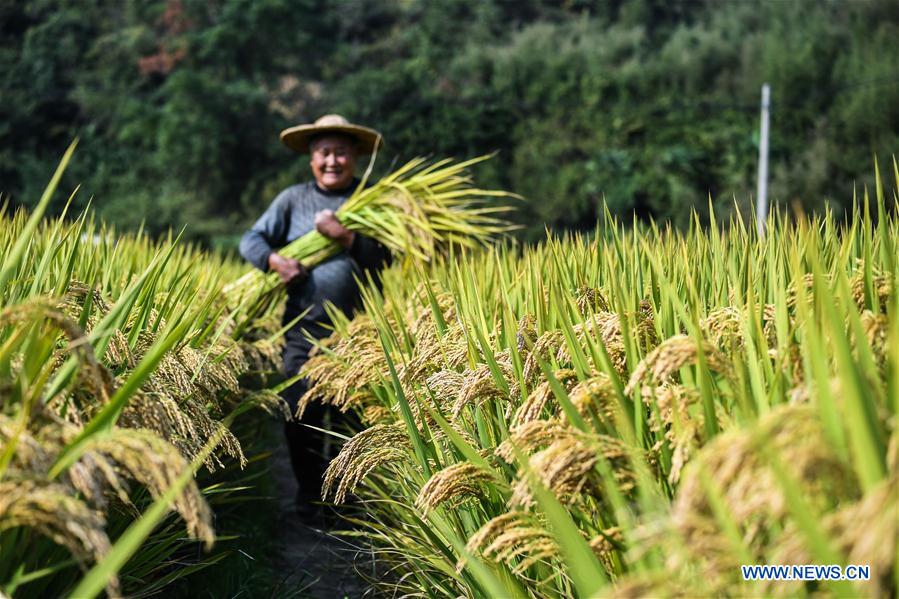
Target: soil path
(313, 560)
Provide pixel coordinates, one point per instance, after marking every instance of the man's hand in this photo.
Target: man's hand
(290, 270)
(328, 225)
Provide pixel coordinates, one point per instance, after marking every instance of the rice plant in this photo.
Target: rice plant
(632, 413)
(118, 380)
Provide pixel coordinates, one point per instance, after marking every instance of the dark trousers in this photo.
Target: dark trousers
(307, 447)
(310, 450)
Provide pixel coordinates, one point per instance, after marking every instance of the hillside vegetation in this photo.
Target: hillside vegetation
(651, 105)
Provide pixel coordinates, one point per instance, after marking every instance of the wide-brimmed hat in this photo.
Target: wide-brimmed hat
(297, 138)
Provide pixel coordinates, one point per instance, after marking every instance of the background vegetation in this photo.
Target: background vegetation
(650, 103)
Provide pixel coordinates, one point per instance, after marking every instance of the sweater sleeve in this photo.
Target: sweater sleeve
(269, 233)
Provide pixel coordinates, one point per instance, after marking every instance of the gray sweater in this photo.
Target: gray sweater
(292, 215)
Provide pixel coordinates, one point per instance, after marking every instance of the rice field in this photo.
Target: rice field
(633, 413)
(636, 412)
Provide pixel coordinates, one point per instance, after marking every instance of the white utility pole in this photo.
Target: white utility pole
(761, 208)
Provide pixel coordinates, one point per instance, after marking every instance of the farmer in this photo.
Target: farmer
(334, 145)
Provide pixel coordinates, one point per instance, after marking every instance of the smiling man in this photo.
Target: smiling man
(334, 145)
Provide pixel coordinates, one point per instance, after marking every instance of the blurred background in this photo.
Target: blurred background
(652, 105)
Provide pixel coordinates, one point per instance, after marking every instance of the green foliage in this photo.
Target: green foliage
(646, 104)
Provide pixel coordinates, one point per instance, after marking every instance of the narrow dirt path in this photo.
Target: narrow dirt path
(314, 561)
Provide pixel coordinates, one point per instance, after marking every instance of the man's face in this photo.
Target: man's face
(333, 161)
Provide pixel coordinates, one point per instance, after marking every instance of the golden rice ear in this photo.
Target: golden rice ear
(596, 396)
(95, 477)
(590, 300)
(532, 408)
(530, 436)
(50, 509)
(454, 484)
(158, 409)
(210, 378)
(883, 286)
(269, 401)
(801, 289)
(32, 455)
(118, 353)
(542, 396)
(261, 354)
(341, 376)
(74, 298)
(750, 490)
(605, 543)
(567, 468)
(433, 352)
(860, 532)
(517, 538)
(224, 355)
(722, 327)
(660, 365)
(445, 385)
(373, 447)
(156, 465)
(375, 414)
(724, 330)
(682, 429)
(527, 332)
(477, 387)
(547, 345)
(326, 374)
(606, 326)
(94, 374)
(876, 328)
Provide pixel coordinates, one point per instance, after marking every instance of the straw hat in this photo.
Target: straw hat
(297, 138)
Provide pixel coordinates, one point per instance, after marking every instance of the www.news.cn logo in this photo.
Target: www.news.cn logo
(805, 572)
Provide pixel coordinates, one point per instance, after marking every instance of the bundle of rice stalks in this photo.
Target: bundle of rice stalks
(414, 211)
